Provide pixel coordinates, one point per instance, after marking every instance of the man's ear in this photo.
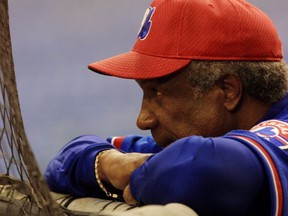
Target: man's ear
(231, 86)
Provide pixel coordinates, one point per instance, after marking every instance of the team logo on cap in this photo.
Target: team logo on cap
(146, 23)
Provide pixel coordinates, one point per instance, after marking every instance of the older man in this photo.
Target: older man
(214, 98)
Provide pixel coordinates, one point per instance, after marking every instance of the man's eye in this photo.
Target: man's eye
(158, 93)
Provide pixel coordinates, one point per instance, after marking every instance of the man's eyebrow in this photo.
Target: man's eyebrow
(159, 80)
(147, 81)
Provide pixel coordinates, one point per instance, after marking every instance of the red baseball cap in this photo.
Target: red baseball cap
(175, 32)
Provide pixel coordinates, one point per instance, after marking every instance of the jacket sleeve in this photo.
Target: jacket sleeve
(135, 143)
(214, 176)
(72, 169)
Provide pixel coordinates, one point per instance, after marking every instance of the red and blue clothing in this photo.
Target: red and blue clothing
(241, 173)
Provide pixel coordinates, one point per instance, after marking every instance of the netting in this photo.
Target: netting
(23, 190)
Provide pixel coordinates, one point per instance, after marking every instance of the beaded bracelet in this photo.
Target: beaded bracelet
(101, 185)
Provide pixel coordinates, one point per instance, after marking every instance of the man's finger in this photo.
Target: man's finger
(129, 199)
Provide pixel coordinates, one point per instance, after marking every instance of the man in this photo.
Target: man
(214, 98)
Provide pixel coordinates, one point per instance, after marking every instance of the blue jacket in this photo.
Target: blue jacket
(241, 173)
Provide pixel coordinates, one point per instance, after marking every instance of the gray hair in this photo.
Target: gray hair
(265, 81)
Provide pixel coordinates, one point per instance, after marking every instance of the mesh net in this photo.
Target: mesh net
(23, 190)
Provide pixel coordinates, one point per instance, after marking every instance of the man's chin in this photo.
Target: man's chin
(163, 144)
(163, 140)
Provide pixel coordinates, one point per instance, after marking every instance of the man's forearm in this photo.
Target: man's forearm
(116, 167)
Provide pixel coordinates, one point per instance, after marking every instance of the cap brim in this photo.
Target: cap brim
(134, 65)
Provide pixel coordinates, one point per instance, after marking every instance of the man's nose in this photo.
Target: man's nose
(146, 119)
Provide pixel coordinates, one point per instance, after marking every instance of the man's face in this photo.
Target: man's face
(171, 111)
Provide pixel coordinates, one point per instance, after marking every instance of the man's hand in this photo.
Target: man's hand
(128, 196)
(116, 167)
